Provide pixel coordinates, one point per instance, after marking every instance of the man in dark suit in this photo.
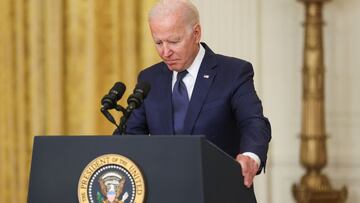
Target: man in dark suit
(214, 96)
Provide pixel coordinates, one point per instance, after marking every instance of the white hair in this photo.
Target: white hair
(187, 10)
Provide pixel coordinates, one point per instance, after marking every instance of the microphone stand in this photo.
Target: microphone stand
(120, 129)
(126, 114)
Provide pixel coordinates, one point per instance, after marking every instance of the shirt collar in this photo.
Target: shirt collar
(195, 66)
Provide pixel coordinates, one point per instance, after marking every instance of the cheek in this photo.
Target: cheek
(184, 53)
(159, 50)
(180, 51)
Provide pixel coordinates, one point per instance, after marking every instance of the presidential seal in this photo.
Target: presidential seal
(111, 178)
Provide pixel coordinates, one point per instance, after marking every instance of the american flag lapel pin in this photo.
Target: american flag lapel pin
(206, 76)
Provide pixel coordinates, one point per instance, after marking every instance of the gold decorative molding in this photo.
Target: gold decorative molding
(314, 186)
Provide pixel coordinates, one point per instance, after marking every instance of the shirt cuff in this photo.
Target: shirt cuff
(253, 156)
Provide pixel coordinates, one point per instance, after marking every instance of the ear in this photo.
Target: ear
(197, 33)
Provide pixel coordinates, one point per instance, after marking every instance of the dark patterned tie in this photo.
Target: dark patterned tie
(180, 100)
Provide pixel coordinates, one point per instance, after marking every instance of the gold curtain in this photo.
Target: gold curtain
(57, 59)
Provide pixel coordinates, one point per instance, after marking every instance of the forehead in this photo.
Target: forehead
(165, 27)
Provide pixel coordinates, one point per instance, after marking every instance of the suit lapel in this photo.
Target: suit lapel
(205, 77)
(166, 111)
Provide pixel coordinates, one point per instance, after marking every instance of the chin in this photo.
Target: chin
(175, 68)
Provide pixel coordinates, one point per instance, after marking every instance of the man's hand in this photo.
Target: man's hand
(249, 168)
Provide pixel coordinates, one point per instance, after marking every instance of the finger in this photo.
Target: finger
(246, 169)
(248, 179)
(252, 173)
(249, 169)
(244, 165)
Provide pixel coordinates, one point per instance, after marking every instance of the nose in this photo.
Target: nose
(166, 50)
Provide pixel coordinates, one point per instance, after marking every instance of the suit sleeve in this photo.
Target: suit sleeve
(136, 124)
(254, 127)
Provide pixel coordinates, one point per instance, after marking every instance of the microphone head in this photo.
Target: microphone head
(140, 92)
(116, 92)
(142, 88)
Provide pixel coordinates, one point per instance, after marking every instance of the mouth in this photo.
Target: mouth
(170, 62)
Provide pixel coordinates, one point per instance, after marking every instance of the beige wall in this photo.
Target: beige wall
(269, 33)
(343, 94)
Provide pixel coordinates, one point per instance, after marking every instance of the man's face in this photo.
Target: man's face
(176, 43)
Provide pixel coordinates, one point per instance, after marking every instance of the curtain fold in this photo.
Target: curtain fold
(57, 60)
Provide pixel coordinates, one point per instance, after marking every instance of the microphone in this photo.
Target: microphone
(109, 101)
(137, 97)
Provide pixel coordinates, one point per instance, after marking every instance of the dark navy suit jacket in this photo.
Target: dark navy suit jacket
(224, 106)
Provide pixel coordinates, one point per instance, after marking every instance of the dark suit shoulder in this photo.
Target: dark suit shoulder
(228, 60)
(233, 65)
(152, 71)
(154, 68)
